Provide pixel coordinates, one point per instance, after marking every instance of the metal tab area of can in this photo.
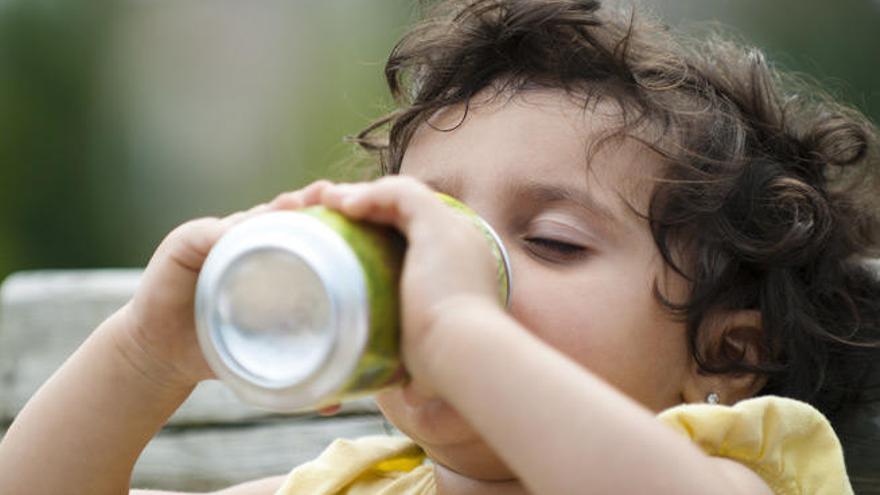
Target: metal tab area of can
(272, 301)
(503, 271)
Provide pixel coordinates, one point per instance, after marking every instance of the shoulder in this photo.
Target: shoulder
(786, 442)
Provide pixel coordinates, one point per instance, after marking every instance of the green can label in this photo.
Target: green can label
(380, 251)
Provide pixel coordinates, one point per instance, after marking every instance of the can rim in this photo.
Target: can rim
(505, 258)
(337, 267)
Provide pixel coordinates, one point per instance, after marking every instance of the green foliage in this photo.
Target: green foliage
(47, 57)
(108, 117)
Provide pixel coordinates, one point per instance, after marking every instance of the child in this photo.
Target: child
(686, 240)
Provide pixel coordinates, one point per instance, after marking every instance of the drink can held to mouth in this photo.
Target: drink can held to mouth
(300, 309)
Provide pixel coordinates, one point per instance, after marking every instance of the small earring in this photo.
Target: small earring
(713, 398)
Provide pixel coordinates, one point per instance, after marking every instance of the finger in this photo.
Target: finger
(301, 198)
(192, 241)
(417, 212)
(330, 410)
(399, 201)
(336, 195)
(240, 216)
(410, 206)
(260, 208)
(189, 243)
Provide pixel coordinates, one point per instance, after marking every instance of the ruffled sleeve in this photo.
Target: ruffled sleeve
(381, 465)
(788, 443)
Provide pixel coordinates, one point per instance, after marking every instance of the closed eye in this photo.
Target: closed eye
(554, 250)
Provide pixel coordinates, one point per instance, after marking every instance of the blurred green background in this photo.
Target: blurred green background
(121, 119)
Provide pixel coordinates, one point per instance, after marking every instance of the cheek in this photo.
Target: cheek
(567, 316)
(429, 422)
(616, 330)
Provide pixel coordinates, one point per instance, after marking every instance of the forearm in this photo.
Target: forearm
(84, 429)
(557, 426)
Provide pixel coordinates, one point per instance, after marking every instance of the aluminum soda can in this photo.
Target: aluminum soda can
(297, 310)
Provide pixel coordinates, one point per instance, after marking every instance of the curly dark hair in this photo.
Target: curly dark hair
(770, 188)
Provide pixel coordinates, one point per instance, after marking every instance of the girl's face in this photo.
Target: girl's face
(583, 262)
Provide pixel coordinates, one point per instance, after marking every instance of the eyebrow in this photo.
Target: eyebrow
(540, 192)
(537, 192)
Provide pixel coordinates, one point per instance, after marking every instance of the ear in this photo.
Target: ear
(727, 336)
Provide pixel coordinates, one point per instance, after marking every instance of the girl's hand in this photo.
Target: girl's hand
(160, 337)
(448, 265)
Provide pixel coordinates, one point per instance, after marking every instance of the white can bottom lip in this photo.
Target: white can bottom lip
(241, 305)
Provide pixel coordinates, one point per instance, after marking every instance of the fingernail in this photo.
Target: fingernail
(348, 201)
(285, 200)
(344, 188)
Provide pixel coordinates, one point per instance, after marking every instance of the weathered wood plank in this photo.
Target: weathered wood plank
(209, 458)
(213, 441)
(45, 315)
(200, 459)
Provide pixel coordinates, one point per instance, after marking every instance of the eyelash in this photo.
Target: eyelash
(561, 251)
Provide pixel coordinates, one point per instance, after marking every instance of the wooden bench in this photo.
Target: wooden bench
(213, 440)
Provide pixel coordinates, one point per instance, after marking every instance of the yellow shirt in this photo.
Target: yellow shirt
(377, 465)
(786, 442)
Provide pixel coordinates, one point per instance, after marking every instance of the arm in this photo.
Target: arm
(606, 441)
(85, 427)
(132, 405)
(82, 432)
